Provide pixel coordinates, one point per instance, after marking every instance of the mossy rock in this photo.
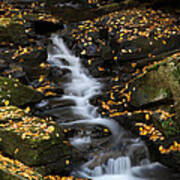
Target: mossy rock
(34, 152)
(160, 82)
(13, 33)
(149, 94)
(36, 142)
(159, 86)
(11, 169)
(16, 93)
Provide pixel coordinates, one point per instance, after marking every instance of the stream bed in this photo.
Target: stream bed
(119, 155)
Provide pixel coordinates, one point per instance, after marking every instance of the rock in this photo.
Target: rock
(13, 33)
(37, 142)
(12, 169)
(16, 93)
(74, 11)
(155, 92)
(55, 103)
(148, 91)
(45, 27)
(160, 83)
(31, 64)
(64, 114)
(110, 42)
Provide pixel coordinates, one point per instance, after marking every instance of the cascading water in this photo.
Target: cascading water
(80, 89)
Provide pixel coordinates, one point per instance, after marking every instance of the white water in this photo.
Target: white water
(81, 88)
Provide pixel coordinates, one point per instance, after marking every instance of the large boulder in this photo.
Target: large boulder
(37, 142)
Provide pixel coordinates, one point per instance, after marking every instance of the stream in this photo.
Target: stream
(121, 156)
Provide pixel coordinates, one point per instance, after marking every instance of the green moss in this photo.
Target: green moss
(176, 72)
(170, 127)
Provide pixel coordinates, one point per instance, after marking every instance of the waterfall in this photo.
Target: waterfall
(81, 88)
(114, 166)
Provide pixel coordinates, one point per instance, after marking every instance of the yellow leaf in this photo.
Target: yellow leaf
(147, 117)
(46, 137)
(23, 136)
(49, 93)
(83, 52)
(133, 65)
(51, 128)
(16, 151)
(106, 130)
(161, 148)
(42, 65)
(115, 58)
(41, 78)
(20, 16)
(67, 162)
(175, 143)
(164, 42)
(28, 109)
(6, 102)
(101, 68)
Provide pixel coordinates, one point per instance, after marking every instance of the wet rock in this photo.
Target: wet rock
(16, 93)
(31, 64)
(64, 114)
(109, 42)
(55, 103)
(44, 27)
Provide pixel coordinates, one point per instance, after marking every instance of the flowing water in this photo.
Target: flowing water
(125, 157)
